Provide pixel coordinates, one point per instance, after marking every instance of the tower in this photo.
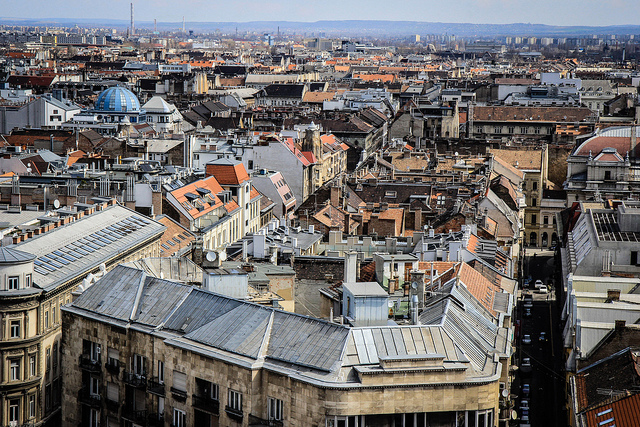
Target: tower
(133, 29)
(183, 27)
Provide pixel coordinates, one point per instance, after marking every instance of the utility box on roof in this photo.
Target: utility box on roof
(365, 304)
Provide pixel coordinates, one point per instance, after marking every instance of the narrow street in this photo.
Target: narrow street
(540, 341)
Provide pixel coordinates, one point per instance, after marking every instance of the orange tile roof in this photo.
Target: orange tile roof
(179, 236)
(254, 193)
(231, 206)
(478, 285)
(228, 174)
(317, 97)
(207, 203)
(624, 412)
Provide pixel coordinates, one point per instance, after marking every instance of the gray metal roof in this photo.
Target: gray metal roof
(226, 326)
(306, 341)
(13, 256)
(368, 289)
(79, 247)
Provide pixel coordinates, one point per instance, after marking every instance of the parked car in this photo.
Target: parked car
(543, 289)
(528, 301)
(524, 415)
(526, 389)
(538, 284)
(527, 312)
(526, 365)
(524, 404)
(526, 339)
(542, 337)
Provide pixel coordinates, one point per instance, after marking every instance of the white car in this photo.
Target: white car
(526, 339)
(538, 284)
(543, 289)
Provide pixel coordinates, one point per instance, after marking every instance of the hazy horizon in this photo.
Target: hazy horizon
(595, 13)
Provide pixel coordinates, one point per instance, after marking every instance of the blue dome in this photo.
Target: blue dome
(117, 99)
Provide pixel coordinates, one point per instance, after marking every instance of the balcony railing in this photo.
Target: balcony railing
(155, 420)
(179, 395)
(87, 363)
(113, 366)
(135, 415)
(113, 405)
(257, 421)
(156, 387)
(88, 398)
(134, 380)
(206, 404)
(234, 414)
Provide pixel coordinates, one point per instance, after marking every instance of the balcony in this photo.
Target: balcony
(112, 366)
(206, 404)
(261, 422)
(135, 380)
(156, 387)
(179, 395)
(155, 420)
(88, 364)
(134, 415)
(87, 398)
(113, 405)
(234, 414)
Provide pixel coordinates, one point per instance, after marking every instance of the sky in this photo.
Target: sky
(552, 12)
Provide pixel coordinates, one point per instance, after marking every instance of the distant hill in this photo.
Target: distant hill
(347, 28)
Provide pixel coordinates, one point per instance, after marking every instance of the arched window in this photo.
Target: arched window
(533, 239)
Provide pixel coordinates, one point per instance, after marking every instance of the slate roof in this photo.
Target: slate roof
(14, 256)
(285, 90)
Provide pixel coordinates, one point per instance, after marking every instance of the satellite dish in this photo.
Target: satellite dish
(505, 393)
(223, 256)
(414, 285)
(211, 256)
(514, 415)
(56, 203)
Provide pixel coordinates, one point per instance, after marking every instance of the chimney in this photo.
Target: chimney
(613, 294)
(350, 267)
(335, 196)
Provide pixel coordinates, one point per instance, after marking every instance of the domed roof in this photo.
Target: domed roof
(14, 256)
(117, 99)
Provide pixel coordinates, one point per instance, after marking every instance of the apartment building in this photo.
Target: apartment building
(146, 351)
(39, 273)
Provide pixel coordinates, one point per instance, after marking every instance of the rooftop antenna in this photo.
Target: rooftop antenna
(155, 25)
(183, 30)
(133, 28)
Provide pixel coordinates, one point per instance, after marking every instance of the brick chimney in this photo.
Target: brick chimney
(336, 194)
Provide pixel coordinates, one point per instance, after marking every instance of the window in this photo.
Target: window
(534, 202)
(206, 389)
(179, 381)
(160, 371)
(113, 357)
(275, 409)
(15, 329)
(94, 418)
(27, 281)
(235, 400)
(250, 164)
(634, 258)
(14, 411)
(32, 406)
(14, 282)
(535, 185)
(46, 319)
(534, 219)
(607, 175)
(32, 366)
(497, 129)
(48, 358)
(92, 349)
(511, 129)
(94, 386)
(139, 364)
(55, 357)
(14, 369)
(53, 314)
(113, 393)
(179, 418)
(545, 220)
